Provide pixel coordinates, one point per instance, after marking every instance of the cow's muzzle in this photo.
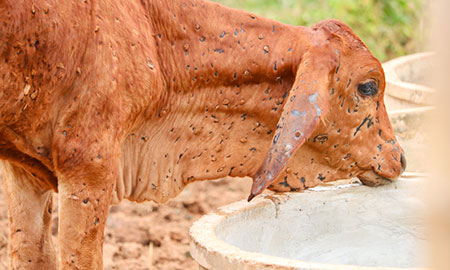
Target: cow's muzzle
(371, 178)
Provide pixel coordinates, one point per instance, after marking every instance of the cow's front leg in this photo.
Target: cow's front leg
(84, 199)
(30, 215)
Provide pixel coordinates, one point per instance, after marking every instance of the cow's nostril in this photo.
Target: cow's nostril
(403, 161)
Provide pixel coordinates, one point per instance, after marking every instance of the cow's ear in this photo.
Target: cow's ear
(306, 104)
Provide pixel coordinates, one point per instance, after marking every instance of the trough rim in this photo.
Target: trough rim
(411, 92)
(213, 253)
(408, 111)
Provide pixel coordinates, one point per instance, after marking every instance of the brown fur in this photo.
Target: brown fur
(105, 100)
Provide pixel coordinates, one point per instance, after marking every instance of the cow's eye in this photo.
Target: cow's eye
(368, 89)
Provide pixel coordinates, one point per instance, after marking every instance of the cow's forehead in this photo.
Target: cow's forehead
(362, 67)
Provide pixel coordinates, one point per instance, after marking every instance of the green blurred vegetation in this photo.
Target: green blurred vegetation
(390, 28)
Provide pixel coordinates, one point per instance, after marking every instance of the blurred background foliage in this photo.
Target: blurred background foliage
(390, 28)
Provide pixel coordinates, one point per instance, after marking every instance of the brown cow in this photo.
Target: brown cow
(108, 100)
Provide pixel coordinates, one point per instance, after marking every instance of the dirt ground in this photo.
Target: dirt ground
(146, 236)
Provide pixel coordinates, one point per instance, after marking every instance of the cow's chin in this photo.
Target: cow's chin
(370, 178)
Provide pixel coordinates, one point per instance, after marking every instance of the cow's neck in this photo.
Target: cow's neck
(204, 45)
(217, 58)
(228, 74)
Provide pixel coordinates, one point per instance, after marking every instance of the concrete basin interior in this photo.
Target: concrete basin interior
(363, 226)
(416, 69)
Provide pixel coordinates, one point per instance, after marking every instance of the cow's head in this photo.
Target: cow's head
(334, 124)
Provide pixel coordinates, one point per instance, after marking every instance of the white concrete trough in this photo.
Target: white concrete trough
(345, 226)
(407, 81)
(409, 100)
(339, 227)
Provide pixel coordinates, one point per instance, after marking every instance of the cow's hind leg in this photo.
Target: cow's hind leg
(30, 214)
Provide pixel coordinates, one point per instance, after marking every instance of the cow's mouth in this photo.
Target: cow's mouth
(371, 178)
